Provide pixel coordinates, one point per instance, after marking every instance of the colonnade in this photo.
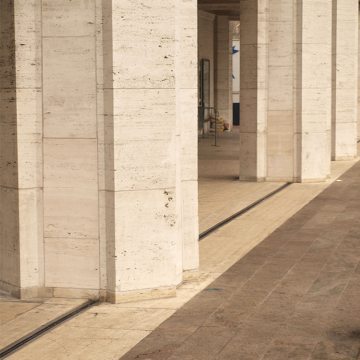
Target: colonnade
(98, 132)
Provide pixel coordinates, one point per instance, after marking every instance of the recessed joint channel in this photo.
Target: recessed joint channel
(35, 334)
(222, 223)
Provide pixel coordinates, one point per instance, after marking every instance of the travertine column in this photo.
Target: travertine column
(313, 89)
(21, 263)
(142, 152)
(223, 68)
(253, 88)
(345, 79)
(281, 104)
(71, 230)
(186, 113)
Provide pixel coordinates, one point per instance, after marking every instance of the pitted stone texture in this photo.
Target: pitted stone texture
(149, 132)
(144, 262)
(131, 47)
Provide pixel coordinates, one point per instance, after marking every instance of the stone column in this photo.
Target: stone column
(142, 186)
(253, 88)
(281, 102)
(313, 89)
(21, 242)
(345, 79)
(223, 68)
(71, 227)
(186, 55)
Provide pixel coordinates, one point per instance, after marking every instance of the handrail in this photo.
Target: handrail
(216, 114)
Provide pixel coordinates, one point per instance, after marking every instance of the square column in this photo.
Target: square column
(285, 128)
(313, 89)
(345, 79)
(142, 150)
(21, 242)
(253, 88)
(223, 69)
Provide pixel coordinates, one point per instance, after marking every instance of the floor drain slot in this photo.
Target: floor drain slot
(25, 340)
(222, 223)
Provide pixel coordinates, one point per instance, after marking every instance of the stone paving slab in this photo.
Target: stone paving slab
(295, 296)
(19, 318)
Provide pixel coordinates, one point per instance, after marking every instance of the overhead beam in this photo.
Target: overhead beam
(219, 2)
(229, 8)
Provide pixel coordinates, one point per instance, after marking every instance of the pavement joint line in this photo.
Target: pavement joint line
(243, 211)
(43, 329)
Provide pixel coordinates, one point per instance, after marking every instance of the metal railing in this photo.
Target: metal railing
(213, 114)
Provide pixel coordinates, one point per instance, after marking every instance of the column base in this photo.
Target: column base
(281, 179)
(251, 178)
(311, 181)
(50, 292)
(9, 289)
(191, 275)
(25, 293)
(344, 158)
(91, 294)
(140, 295)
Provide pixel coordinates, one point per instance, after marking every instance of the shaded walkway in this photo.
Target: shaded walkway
(295, 296)
(221, 194)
